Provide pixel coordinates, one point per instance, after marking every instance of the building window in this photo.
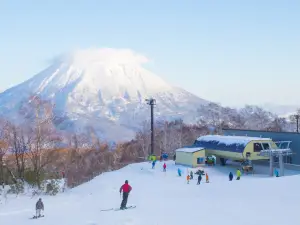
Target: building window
(257, 147)
(200, 160)
(266, 146)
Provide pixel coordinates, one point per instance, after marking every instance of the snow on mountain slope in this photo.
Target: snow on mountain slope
(104, 88)
(164, 198)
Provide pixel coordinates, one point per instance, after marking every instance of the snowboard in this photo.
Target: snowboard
(118, 209)
(36, 217)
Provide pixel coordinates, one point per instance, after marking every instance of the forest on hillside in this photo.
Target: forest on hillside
(34, 150)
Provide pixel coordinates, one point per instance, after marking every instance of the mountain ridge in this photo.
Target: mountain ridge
(103, 88)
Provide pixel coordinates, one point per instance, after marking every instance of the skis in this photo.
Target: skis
(118, 209)
(37, 217)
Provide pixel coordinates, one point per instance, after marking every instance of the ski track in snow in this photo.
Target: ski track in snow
(164, 198)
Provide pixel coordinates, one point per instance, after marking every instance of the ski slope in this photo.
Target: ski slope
(166, 199)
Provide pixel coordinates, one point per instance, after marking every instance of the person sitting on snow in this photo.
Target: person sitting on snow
(39, 206)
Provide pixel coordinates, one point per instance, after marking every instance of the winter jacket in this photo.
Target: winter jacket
(206, 176)
(39, 205)
(165, 166)
(199, 177)
(238, 173)
(126, 188)
(179, 172)
(188, 177)
(230, 176)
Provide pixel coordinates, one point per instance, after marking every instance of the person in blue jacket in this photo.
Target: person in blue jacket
(153, 164)
(276, 173)
(179, 172)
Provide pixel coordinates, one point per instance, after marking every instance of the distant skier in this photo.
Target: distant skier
(191, 175)
(179, 172)
(165, 167)
(126, 188)
(206, 178)
(276, 173)
(39, 206)
(238, 174)
(230, 176)
(199, 178)
(153, 164)
(188, 178)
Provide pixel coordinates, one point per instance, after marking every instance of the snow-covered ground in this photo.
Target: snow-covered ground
(166, 199)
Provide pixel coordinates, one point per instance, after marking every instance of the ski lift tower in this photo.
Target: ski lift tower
(281, 149)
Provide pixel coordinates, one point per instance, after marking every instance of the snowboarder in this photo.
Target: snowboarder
(179, 172)
(206, 178)
(188, 179)
(230, 176)
(238, 174)
(126, 188)
(165, 167)
(153, 164)
(39, 206)
(191, 175)
(199, 178)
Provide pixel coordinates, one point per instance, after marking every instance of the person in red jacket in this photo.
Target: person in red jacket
(126, 188)
(165, 167)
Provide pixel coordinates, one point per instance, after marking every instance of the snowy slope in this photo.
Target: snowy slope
(103, 88)
(164, 198)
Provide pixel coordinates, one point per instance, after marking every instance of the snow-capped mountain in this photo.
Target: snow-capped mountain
(105, 89)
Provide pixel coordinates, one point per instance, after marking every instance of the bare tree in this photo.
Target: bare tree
(143, 137)
(44, 137)
(3, 148)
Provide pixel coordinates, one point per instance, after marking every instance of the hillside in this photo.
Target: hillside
(164, 198)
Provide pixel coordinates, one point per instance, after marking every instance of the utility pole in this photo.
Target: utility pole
(297, 120)
(152, 102)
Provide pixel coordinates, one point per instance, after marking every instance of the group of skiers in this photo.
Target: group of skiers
(190, 176)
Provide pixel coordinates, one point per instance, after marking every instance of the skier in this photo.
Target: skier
(188, 179)
(153, 164)
(179, 172)
(39, 206)
(238, 174)
(276, 173)
(126, 188)
(206, 178)
(191, 175)
(199, 178)
(230, 176)
(165, 167)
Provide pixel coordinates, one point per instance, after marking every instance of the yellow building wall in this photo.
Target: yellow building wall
(196, 155)
(184, 158)
(241, 156)
(189, 159)
(255, 155)
(224, 154)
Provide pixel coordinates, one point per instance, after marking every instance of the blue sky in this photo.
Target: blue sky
(232, 52)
